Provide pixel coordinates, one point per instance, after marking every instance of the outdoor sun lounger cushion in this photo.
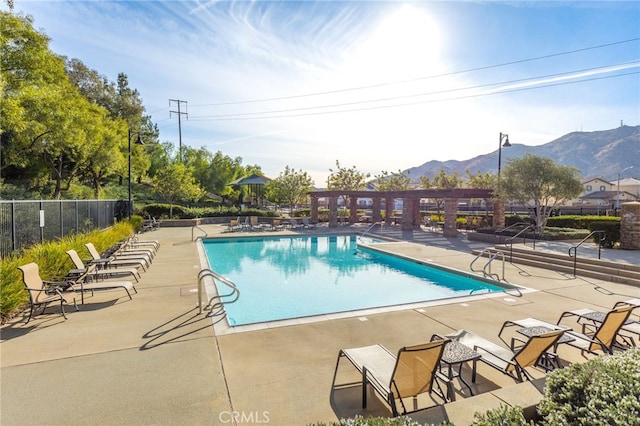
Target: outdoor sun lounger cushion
(41, 293)
(81, 285)
(81, 268)
(511, 362)
(113, 262)
(412, 372)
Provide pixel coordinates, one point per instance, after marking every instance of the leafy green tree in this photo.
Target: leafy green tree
(344, 179)
(539, 183)
(480, 180)
(442, 181)
(289, 187)
(347, 179)
(31, 87)
(176, 183)
(224, 170)
(396, 181)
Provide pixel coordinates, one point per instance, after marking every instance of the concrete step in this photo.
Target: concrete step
(594, 268)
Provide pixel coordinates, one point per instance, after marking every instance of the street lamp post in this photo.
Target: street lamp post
(138, 142)
(618, 188)
(503, 137)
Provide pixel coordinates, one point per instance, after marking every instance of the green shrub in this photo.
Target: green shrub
(602, 391)
(579, 222)
(505, 415)
(611, 233)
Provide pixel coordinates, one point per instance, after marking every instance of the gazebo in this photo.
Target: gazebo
(255, 187)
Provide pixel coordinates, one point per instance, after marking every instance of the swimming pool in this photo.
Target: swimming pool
(299, 276)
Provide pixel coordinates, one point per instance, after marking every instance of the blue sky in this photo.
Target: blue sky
(383, 85)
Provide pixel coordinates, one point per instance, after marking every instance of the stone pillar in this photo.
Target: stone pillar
(498, 215)
(450, 216)
(388, 211)
(376, 216)
(417, 220)
(407, 214)
(353, 209)
(314, 209)
(333, 211)
(630, 226)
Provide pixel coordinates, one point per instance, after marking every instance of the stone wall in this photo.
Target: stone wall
(630, 226)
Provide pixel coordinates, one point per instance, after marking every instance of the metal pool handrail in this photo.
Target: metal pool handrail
(485, 272)
(370, 228)
(574, 249)
(220, 304)
(196, 226)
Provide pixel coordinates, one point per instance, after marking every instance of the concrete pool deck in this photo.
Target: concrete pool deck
(154, 360)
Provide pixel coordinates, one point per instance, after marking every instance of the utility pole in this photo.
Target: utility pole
(180, 113)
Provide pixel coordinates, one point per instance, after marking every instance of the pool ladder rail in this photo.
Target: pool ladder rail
(216, 303)
(486, 269)
(369, 229)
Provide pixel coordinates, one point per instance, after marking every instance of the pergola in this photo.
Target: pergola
(410, 202)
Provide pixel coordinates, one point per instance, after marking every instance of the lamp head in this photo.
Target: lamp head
(506, 143)
(139, 140)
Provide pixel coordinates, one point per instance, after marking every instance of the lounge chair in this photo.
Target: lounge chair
(593, 317)
(276, 225)
(112, 261)
(411, 373)
(80, 284)
(254, 225)
(294, 224)
(41, 293)
(600, 336)
(307, 224)
(234, 226)
(81, 268)
(514, 361)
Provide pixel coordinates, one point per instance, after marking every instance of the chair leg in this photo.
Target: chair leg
(364, 388)
(64, 314)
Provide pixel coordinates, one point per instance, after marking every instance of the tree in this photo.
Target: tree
(441, 181)
(344, 179)
(540, 183)
(289, 187)
(176, 183)
(396, 181)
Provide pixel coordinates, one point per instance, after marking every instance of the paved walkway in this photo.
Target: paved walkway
(154, 360)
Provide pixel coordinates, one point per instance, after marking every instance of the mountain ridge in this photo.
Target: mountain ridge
(601, 153)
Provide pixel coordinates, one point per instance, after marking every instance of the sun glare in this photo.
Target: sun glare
(405, 44)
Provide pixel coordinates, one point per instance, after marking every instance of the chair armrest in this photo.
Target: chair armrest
(514, 340)
(588, 329)
(57, 285)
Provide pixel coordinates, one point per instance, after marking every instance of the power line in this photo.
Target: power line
(487, 67)
(263, 114)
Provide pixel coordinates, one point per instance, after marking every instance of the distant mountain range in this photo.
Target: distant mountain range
(600, 154)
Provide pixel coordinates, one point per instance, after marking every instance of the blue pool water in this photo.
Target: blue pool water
(290, 277)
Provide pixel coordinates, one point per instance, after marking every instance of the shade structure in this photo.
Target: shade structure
(254, 185)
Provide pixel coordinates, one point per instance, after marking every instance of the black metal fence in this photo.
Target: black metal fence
(25, 223)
